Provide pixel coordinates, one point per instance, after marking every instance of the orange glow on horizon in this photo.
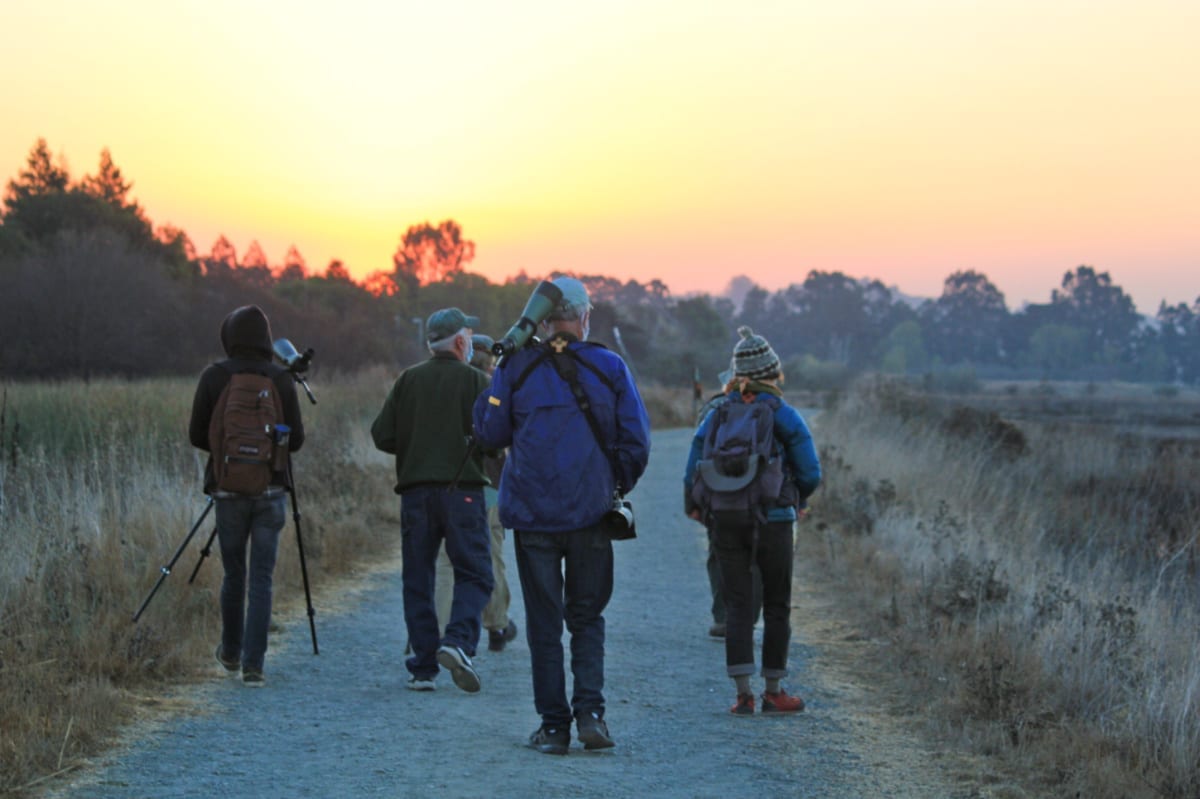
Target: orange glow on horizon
(690, 142)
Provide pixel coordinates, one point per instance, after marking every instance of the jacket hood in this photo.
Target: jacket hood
(246, 333)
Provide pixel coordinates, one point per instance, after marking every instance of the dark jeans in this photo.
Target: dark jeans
(579, 600)
(248, 523)
(429, 515)
(716, 585)
(773, 554)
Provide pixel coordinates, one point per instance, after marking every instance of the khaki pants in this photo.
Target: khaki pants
(495, 613)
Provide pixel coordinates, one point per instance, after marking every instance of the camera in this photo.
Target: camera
(618, 520)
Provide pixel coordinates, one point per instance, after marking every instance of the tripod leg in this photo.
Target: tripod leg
(203, 554)
(312, 626)
(166, 570)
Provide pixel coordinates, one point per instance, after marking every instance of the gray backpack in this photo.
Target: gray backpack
(740, 473)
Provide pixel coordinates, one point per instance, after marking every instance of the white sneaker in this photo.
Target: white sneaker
(421, 684)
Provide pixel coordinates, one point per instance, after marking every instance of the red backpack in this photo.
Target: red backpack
(241, 435)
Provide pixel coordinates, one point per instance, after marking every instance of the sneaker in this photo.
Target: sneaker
(253, 678)
(416, 683)
(230, 665)
(497, 639)
(744, 706)
(592, 731)
(550, 740)
(717, 630)
(781, 703)
(460, 668)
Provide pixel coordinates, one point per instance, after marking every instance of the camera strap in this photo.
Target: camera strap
(565, 364)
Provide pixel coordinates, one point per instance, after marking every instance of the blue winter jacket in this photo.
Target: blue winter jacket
(557, 478)
(792, 438)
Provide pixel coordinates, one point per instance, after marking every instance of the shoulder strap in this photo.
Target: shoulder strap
(546, 353)
(542, 356)
(564, 363)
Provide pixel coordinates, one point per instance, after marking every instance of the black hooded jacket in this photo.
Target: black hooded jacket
(246, 338)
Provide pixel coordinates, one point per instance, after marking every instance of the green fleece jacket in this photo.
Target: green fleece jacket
(426, 420)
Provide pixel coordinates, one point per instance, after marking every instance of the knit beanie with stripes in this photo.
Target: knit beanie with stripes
(753, 357)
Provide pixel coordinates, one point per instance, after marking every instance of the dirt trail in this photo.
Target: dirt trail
(342, 723)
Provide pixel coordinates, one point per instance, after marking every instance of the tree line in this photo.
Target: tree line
(90, 286)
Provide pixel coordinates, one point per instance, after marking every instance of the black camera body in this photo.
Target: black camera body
(618, 520)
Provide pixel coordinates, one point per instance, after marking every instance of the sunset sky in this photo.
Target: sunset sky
(690, 141)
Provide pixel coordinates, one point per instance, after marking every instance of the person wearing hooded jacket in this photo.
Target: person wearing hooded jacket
(558, 483)
(246, 523)
(757, 376)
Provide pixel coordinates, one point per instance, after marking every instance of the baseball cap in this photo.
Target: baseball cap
(446, 322)
(575, 300)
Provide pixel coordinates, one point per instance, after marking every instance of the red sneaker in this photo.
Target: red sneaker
(781, 703)
(744, 705)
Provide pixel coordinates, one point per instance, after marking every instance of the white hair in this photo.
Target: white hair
(447, 344)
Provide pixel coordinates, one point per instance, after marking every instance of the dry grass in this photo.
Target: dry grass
(98, 488)
(1037, 578)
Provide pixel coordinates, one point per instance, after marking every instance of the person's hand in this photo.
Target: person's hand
(694, 514)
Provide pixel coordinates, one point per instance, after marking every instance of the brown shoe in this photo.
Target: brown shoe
(498, 639)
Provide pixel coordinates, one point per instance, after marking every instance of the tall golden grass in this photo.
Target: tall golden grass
(98, 488)
(1039, 579)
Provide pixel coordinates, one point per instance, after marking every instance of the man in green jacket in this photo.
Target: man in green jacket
(426, 423)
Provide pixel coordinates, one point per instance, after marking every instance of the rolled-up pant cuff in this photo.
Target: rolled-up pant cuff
(774, 674)
(740, 669)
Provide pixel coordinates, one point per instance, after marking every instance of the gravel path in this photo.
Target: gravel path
(342, 723)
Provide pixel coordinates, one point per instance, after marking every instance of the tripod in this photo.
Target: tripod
(166, 570)
(312, 627)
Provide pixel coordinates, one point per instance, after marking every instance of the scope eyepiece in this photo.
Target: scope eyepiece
(295, 361)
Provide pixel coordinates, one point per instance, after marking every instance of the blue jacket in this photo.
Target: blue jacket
(556, 477)
(792, 438)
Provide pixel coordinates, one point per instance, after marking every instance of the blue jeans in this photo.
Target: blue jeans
(428, 515)
(252, 523)
(579, 600)
(738, 553)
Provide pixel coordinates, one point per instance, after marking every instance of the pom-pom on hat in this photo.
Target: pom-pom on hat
(753, 357)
